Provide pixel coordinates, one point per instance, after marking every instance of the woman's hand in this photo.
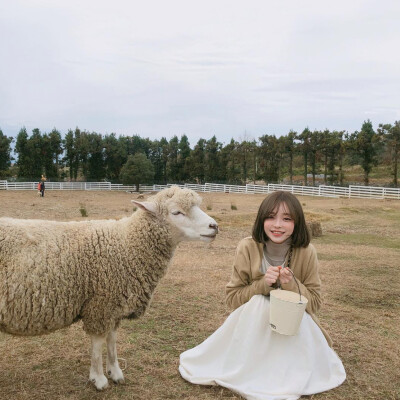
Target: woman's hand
(285, 276)
(272, 275)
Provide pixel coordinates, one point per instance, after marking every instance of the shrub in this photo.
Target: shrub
(83, 210)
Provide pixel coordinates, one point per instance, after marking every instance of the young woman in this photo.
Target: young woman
(244, 354)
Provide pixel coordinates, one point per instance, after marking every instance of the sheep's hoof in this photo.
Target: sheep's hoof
(116, 375)
(100, 382)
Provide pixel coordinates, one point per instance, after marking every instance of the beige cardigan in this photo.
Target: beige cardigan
(246, 280)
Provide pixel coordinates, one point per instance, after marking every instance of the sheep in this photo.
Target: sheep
(53, 274)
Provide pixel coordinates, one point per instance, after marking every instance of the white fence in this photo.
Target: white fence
(366, 192)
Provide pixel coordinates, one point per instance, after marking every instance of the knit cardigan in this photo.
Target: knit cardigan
(247, 279)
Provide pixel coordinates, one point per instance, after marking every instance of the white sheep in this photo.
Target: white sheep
(55, 273)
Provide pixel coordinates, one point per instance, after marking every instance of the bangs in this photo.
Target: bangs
(270, 208)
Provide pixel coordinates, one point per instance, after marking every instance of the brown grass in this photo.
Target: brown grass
(360, 269)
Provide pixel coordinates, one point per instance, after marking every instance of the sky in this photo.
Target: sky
(229, 68)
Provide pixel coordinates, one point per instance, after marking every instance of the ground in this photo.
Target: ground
(359, 256)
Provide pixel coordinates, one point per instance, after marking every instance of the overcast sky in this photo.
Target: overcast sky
(228, 68)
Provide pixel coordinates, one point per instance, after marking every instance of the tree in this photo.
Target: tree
(391, 136)
(21, 147)
(315, 141)
(342, 145)
(81, 142)
(51, 149)
(229, 163)
(55, 149)
(164, 158)
(156, 153)
(96, 164)
(36, 154)
(196, 161)
(172, 162)
(135, 144)
(289, 148)
(305, 149)
(5, 153)
(271, 155)
(364, 143)
(183, 155)
(246, 155)
(138, 169)
(30, 154)
(114, 156)
(253, 149)
(333, 148)
(71, 155)
(212, 151)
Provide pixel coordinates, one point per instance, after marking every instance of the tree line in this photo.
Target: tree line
(90, 156)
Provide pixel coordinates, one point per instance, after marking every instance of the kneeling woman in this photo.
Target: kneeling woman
(244, 354)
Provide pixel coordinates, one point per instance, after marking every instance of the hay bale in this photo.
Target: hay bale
(315, 228)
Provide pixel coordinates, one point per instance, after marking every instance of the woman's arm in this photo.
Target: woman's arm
(240, 289)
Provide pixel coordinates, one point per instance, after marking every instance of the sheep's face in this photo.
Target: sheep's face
(181, 208)
(192, 223)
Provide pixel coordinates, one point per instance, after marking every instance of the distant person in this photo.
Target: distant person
(38, 188)
(245, 355)
(42, 188)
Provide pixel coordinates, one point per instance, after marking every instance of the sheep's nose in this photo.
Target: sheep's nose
(214, 226)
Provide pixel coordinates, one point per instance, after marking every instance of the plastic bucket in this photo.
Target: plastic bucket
(286, 311)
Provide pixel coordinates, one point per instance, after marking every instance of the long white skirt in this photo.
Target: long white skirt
(247, 357)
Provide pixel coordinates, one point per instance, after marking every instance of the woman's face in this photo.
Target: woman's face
(279, 225)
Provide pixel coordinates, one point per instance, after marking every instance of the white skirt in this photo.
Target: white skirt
(247, 357)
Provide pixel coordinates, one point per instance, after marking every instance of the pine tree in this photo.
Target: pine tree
(289, 147)
(365, 145)
(229, 164)
(96, 164)
(114, 156)
(184, 151)
(196, 162)
(305, 150)
(172, 162)
(5, 153)
(21, 149)
(391, 136)
(212, 152)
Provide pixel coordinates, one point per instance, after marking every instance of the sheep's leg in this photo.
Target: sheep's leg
(113, 369)
(96, 369)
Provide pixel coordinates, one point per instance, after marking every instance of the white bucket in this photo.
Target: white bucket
(286, 311)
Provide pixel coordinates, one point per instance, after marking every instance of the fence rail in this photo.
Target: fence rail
(366, 192)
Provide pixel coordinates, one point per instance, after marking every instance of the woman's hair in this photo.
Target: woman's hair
(300, 236)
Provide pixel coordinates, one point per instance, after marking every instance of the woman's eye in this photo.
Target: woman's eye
(177, 213)
(287, 219)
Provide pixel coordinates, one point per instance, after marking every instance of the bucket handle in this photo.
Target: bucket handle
(297, 283)
(288, 267)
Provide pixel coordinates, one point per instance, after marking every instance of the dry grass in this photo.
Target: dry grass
(359, 254)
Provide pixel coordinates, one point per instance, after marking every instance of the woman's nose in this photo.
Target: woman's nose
(278, 222)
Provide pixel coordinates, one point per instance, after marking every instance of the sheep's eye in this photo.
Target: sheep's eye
(177, 213)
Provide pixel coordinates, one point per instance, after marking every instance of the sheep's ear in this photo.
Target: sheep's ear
(146, 206)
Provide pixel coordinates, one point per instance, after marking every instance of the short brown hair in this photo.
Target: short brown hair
(300, 236)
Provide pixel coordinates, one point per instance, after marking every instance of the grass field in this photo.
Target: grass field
(359, 256)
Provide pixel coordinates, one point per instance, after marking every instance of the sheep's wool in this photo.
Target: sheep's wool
(54, 273)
